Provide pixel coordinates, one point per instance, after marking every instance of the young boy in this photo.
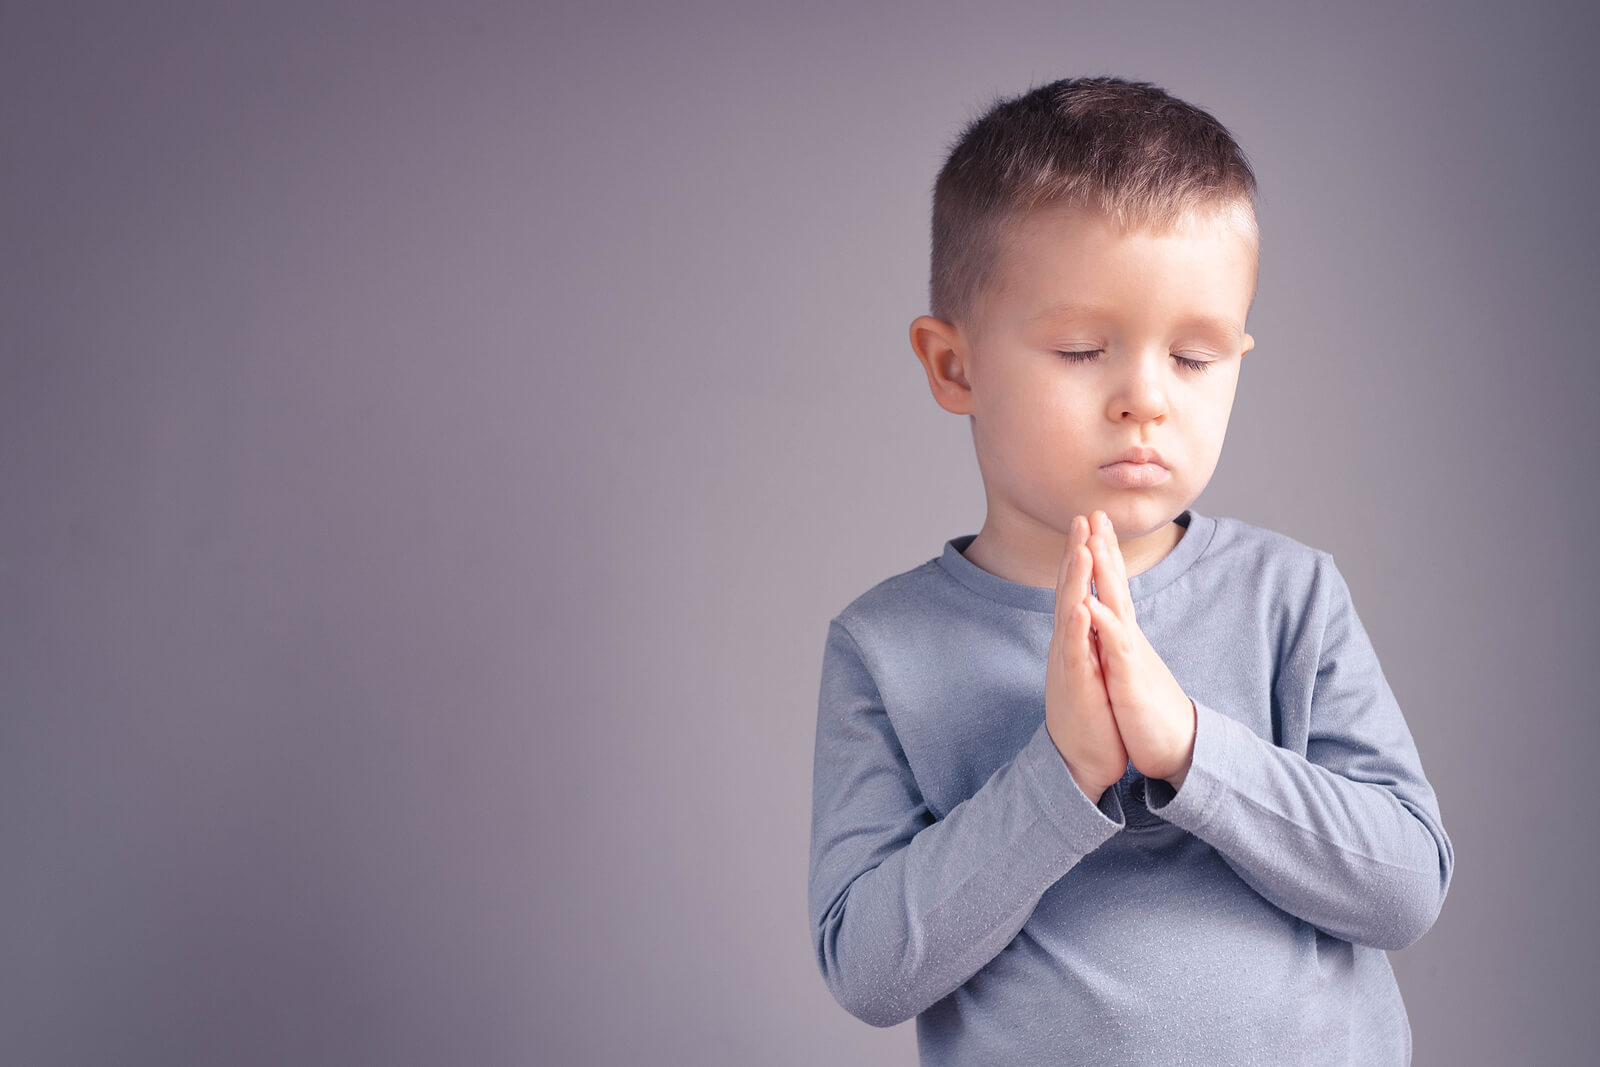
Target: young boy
(1111, 781)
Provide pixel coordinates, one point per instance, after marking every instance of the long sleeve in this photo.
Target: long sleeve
(905, 907)
(1347, 836)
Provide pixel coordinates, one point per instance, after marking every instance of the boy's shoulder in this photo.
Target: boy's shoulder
(1239, 543)
(898, 601)
(1247, 563)
(1271, 576)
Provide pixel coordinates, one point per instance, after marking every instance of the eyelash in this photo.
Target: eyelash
(1085, 355)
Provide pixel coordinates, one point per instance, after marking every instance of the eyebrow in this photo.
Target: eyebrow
(1067, 311)
(1064, 311)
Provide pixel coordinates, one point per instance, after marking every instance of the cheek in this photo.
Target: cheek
(1208, 403)
(1054, 417)
(1207, 426)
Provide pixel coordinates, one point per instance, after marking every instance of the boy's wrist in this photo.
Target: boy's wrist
(1093, 792)
(1176, 779)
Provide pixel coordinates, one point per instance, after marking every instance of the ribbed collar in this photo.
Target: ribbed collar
(1198, 534)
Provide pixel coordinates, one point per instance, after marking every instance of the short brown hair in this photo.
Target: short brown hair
(1125, 148)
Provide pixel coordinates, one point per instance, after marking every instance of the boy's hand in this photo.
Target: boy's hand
(1155, 718)
(1077, 709)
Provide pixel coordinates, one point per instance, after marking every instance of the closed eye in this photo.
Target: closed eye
(1086, 354)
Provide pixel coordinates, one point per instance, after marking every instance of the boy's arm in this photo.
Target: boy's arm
(905, 908)
(1347, 837)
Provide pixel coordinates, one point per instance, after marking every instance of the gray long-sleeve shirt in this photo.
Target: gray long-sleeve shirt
(960, 876)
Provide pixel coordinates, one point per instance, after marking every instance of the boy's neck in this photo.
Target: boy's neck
(1033, 556)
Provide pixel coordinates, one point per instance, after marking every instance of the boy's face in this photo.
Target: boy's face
(1049, 428)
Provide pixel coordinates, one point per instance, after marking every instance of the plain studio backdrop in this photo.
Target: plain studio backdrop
(434, 438)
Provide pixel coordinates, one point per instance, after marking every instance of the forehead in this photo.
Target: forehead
(1057, 261)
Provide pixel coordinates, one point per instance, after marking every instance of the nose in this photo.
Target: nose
(1140, 393)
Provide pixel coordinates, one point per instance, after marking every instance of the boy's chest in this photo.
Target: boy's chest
(961, 712)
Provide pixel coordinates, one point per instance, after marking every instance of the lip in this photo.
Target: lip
(1134, 475)
(1138, 454)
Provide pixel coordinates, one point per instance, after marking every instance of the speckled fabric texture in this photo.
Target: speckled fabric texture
(960, 877)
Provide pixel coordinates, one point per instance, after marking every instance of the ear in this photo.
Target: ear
(1249, 343)
(943, 352)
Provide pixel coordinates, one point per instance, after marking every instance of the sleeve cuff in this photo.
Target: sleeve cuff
(1216, 746)
(1085, 823)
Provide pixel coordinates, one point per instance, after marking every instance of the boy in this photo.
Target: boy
(1111, 781)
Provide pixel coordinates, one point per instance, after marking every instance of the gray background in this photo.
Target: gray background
(433, 439)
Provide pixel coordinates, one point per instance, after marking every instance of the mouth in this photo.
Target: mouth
(1127, 475)
(1139, 455)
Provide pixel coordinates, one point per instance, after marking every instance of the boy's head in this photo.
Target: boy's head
(1125, 149)
(1094, 260)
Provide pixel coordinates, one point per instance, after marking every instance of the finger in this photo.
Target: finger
(1092, 657)
(1063, 576)
(1109, 626)
(1065, 573)
(1112, 585)
(1078, 536)
(1083, 588)
(1077, 634)
(1116, 549)
(1114, 543)
(1083, 655)
(1064, 569)
(1101, 571)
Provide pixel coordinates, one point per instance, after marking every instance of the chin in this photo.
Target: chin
(1135, 515)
